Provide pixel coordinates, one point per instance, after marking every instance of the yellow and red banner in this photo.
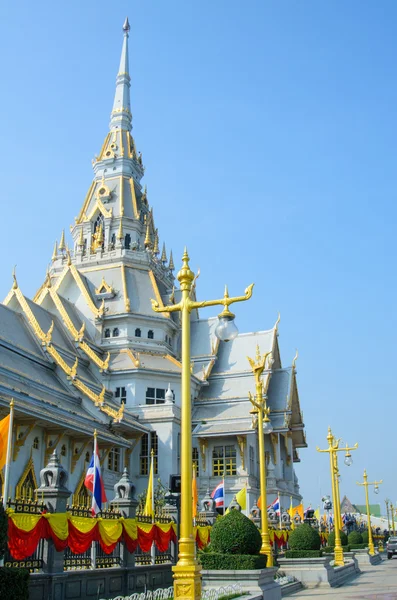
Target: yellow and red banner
(4, 429)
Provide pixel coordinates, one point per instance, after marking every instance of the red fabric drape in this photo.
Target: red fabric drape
(129, 542)
(79, 542)
(145, 540)
(22, 544)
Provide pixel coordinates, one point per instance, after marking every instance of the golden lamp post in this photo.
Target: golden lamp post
(366, 483)
(333, 449)
(392, 518)
(387, 501)
(187, 571)
(264, 426)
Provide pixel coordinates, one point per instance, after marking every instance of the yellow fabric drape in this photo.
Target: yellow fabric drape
(131, 528)
(24, 521)
(59, 524)
(83, 524)
(110, 530)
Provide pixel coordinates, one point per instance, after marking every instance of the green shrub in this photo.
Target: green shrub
(3, 531)
(343, 538)
(304, 537)
(237, 562)
(358, 546)
(303, 553)
(14, 584)
(355, 537)
(364, 535)
(331, 549)
(235, 534)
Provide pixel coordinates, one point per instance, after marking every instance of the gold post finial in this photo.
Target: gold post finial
(62, 244)
(95, 433)
(152, 452)
(295, 359)
(12, 403)
(55, 252)
(14, 276)
(156, 243)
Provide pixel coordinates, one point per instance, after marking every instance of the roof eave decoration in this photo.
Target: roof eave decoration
(157, 293)
(71, 372)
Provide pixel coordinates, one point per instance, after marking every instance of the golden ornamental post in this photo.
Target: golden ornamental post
(187, 571)
(366, 483)
(332, 450)
(388, 516)
(392, 518)
(264, 426)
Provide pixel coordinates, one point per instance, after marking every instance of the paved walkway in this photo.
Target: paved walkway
(375, 582)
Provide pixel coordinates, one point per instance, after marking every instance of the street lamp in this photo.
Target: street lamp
(264, 426)
(333, 449)
(366, 483)
(187, 571)
(392, 517)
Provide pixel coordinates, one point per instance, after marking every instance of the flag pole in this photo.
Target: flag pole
(152, 469)
(279, 506)
(8, 455)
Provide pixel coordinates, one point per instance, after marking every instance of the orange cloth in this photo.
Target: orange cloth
(4, 428)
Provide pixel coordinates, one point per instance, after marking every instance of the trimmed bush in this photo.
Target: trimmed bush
(236, 562)
(303, 553)
(304, 537)
(235, 534)
(343, 538)
(354, 537)
(358, 546)
(331, 549)
(364, 535)
(14, 584)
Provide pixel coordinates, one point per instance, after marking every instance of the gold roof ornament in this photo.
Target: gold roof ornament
(48, 279)
(14, 276)
(275, 327)
(171, 265)
(69, 257)
(62, 245)
(120, 234)
(104, 288)
(148, 241)
(55, 252)
(163, 255)
(295, 359)
(81, 238)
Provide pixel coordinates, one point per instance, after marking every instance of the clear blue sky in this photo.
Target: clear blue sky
(268, 131)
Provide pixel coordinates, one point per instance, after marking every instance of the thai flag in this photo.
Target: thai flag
(275, 505)
(219, 495)
(94, 482)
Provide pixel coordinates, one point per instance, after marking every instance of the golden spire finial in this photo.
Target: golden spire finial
(275, 327)
(164, 255)
(185, 257)
(14, 276)
(295, 359)
(62, 245)
(120, 234)
(81, 238)
(48, 279)
(171, 265)
(148, 241)
(55, 252)
(156, 243)
(69, 257)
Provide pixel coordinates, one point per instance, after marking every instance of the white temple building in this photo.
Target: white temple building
(88, 352)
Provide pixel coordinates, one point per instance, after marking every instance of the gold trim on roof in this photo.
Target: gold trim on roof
(127, 302)
(133, 198)
(135, 359)
(86, 202)
(121, 193)
(173, 360)
(157, 293)
(77, 455)
(98, 206)
(98, 312)
(103, 284)
(21, 439)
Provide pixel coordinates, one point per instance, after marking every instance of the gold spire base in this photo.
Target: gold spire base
(338, 557)
(187, 581)
(267, 549)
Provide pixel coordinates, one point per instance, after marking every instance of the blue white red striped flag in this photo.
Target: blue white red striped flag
(219, 495)
(94, 482)
(275, 505)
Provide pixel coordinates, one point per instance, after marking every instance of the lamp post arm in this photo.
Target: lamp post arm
(225, 301)
(162, 309)
(346, 448)
(319, 450)
(375, 482)
(251, 399)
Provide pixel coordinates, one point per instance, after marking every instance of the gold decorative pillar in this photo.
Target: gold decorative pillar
(366, 483)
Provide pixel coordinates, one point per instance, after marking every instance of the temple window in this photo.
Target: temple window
(81, 496)
(150, 334)
(127, 241)
(87, 457)
(155, 395)
(224, 461)
(116, 332)
(107, 333)
(63, 450)
(121, 393)
(144, 457)
(114, 459)
(36, 443)
(195, 460)
(26, 486)
(113, 241)
(137, 332)
(99, 232)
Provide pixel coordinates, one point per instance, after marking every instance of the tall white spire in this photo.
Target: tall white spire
(121, 113)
